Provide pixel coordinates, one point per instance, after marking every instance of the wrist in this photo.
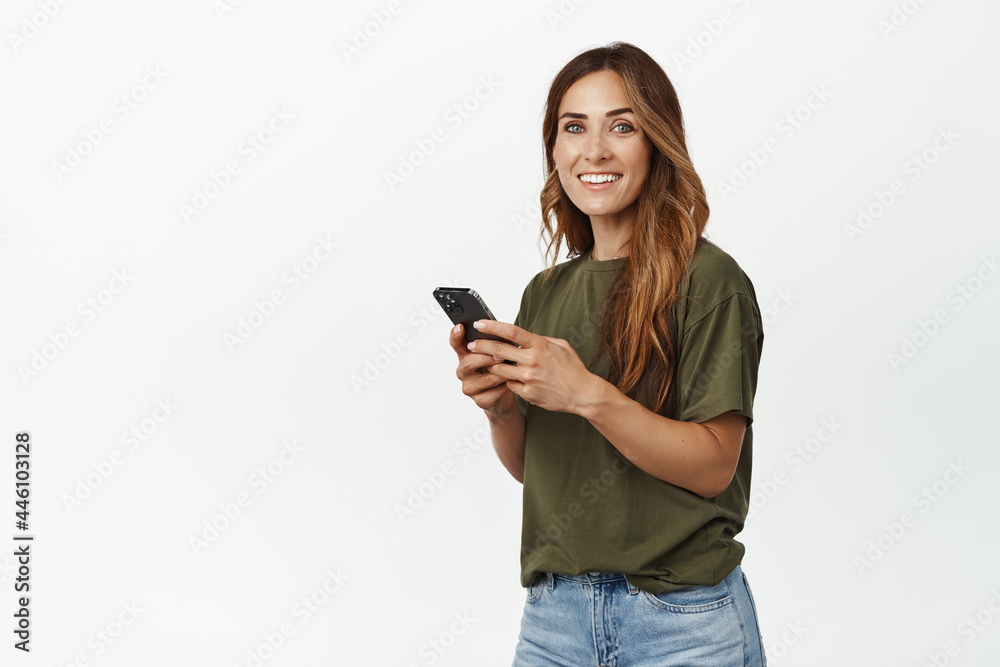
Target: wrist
(499, 417)
(593, 395)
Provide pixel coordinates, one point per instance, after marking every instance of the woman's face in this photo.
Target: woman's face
(601, 154)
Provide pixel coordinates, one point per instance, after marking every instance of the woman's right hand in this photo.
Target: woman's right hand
(489, 391)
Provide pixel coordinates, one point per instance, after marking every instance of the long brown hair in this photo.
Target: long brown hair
(638, 331)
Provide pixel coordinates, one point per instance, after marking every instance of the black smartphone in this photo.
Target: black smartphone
(464, 306)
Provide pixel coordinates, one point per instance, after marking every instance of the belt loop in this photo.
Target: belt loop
(632, 590)
(550, 580)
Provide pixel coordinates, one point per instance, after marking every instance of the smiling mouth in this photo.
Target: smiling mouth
(599, 178)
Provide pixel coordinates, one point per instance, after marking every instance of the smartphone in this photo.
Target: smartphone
(464, 306)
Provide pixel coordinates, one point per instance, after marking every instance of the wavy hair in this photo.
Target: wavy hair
(638, 331)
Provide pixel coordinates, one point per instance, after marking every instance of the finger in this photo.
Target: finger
(457, 340)
(488, 399)
(514, 334)
(474, 364)
(505, 371)
(497, 350)
(474, 385)
(516, 387)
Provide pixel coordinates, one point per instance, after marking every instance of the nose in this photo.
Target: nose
(597, 148)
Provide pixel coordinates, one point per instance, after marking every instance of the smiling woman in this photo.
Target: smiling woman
(601, 155)
(627, 416)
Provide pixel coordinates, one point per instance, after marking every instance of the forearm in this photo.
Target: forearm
(507, 430)
(686, 454)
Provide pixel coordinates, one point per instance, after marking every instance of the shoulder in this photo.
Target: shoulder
(712, 266)
(714, 272)
(713, 277)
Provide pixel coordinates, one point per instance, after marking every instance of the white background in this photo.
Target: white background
(352, 367)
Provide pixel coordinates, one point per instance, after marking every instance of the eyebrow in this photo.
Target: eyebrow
(583, 116)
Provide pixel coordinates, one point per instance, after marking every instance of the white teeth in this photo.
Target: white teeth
(599, 178)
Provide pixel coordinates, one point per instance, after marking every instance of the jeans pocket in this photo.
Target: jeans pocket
(535, 589)
(691, 599)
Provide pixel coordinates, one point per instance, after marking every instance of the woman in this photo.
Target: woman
(627, 415)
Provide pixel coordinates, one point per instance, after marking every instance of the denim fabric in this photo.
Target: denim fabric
(601, 620)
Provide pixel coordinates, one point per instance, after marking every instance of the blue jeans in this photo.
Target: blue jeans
(601, 620)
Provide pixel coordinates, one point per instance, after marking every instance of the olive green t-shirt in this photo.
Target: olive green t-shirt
(588, 508)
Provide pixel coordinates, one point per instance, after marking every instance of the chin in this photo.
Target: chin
(599, 210)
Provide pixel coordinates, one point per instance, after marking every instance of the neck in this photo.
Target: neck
(611, 236)
(603, 256)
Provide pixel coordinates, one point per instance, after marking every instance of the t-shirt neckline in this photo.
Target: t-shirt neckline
(591, 264)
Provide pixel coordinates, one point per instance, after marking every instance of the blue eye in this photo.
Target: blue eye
(569, 128)
(623, 124)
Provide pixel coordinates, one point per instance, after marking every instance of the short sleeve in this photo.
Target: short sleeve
(718, 361)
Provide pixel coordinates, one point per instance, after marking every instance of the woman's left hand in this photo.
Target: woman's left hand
(549, 372)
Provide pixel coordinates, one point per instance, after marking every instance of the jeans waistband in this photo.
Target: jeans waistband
(591, 577)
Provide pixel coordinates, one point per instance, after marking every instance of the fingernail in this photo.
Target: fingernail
(458, 328)
(496, 358)
(478, 324)
(472, 345)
